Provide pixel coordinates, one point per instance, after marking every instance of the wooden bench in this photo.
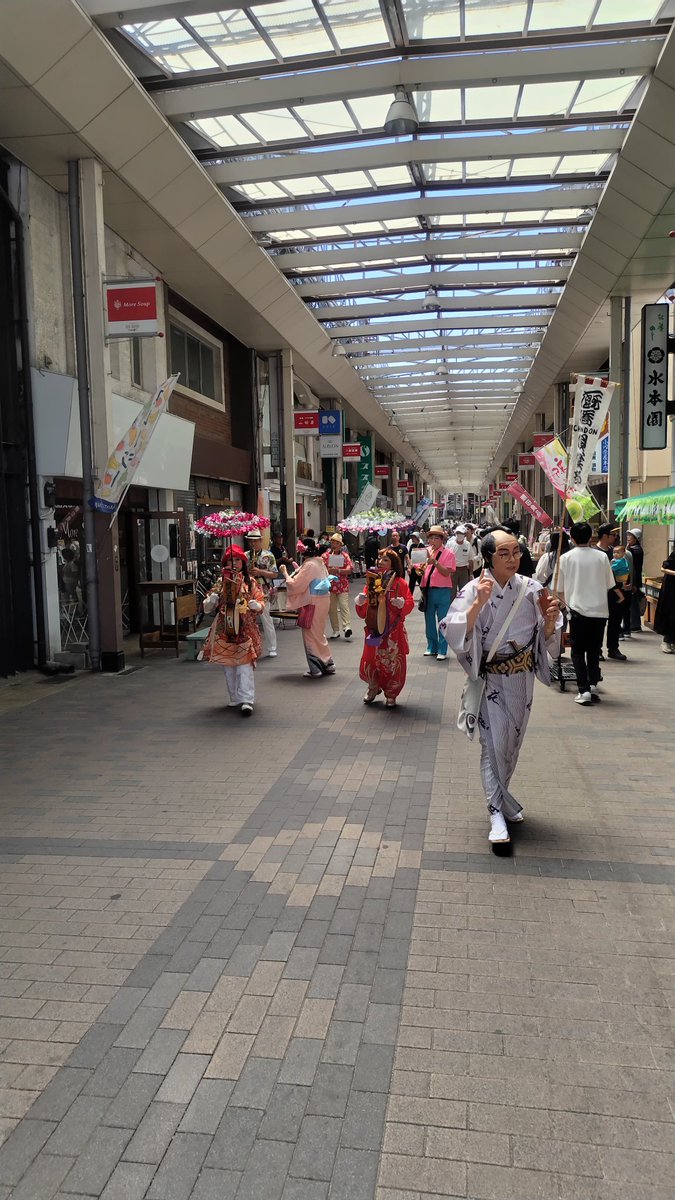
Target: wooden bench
(195, 641)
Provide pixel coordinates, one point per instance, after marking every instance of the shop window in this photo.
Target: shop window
(198, 359)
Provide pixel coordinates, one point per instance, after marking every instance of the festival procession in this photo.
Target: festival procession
(506, 606)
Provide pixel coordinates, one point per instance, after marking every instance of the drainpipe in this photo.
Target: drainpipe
(81, 350)
(36, 543)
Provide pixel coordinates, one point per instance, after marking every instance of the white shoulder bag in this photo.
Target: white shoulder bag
(472, 692)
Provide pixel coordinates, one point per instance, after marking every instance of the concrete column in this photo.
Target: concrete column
(289, 455)
(615, 472)
(107, 548)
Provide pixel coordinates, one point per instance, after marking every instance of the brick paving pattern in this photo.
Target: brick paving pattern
(274, 960)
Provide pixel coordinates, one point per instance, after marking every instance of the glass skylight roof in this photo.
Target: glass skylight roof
(353, 216)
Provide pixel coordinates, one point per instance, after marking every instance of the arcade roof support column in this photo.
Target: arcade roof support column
(615, 490)
(100, 398)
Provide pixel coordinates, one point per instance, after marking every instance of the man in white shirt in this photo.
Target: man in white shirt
(585, 581)
(461, 546)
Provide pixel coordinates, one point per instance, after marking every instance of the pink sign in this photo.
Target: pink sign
(525, 461)
(529, 503)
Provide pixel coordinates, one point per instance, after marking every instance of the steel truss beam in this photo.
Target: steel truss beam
(399, 349)
(507, 276)
(445, 304)
(505, 200)
(434, 248)
(336, 81)
(426, 150)
(437, 325)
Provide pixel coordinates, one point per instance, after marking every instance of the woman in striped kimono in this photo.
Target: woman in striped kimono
(477, 617)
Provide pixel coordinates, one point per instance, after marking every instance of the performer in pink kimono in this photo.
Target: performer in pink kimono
(385, 604)
(310, 585)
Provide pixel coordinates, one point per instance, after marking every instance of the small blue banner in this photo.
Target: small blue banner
(330, 421)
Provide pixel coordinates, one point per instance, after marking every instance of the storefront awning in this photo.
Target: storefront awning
(165, 463)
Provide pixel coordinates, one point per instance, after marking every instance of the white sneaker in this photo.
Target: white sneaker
(583, 698)
(246, 710)
(595, 689)
(428, 654)
(498, 830)
(441, 657)
(517, 819)
(667, 648)
(333, 636)
(272, 654)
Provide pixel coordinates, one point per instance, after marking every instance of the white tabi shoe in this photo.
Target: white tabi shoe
(499, 834)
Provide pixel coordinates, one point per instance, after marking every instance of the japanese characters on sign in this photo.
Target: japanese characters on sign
(541, 439)
(381, 470)
(654, 377)
(592, 398)
(351, 450)
(525, 461)
(529, 503)
(511, 477)
(306, 420)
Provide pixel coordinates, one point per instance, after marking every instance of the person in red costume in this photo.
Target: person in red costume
(384, 605)
(234, 638)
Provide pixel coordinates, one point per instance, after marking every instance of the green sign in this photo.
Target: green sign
(366, 472)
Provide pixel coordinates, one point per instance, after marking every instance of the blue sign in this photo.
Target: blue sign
(604, 455)
(330, 421)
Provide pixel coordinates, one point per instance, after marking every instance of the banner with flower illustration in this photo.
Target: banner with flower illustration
(123, 462)
(552, 459)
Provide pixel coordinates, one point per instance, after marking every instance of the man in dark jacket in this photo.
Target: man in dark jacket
(371, 549)
(526, 564)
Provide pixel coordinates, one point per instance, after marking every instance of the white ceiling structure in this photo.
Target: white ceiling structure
(455, 273)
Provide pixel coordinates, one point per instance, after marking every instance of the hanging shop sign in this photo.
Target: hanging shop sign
(410, 489)
(330, 422)
(526, 461)
(654, 377)
(402, 485)
(330, 446)
(365, 468)
(306, 421)
(529, 503)
(511, 477)
(351, 450)
(381, 471)
(541, 439)
(131, 308)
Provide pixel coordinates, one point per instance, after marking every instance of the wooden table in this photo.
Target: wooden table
(158, 635)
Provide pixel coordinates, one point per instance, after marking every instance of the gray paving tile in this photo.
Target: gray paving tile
(316, 1148)
(180, 1167)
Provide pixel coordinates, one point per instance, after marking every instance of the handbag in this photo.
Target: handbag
(305, 616)
(472, 692)
(423, 603)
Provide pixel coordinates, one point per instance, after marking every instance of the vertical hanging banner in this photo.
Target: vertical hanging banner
(654, 377)
(592, 398)
(529, 503)
(552, 459)
(330, 433)
(365, 468)
(123, 462)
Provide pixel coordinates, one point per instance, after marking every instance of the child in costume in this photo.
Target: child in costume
(385, 604)
(234, 638)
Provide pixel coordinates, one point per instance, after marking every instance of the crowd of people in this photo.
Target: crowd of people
(482, 596)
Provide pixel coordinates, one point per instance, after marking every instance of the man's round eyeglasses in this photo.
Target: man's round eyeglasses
(505, 553)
